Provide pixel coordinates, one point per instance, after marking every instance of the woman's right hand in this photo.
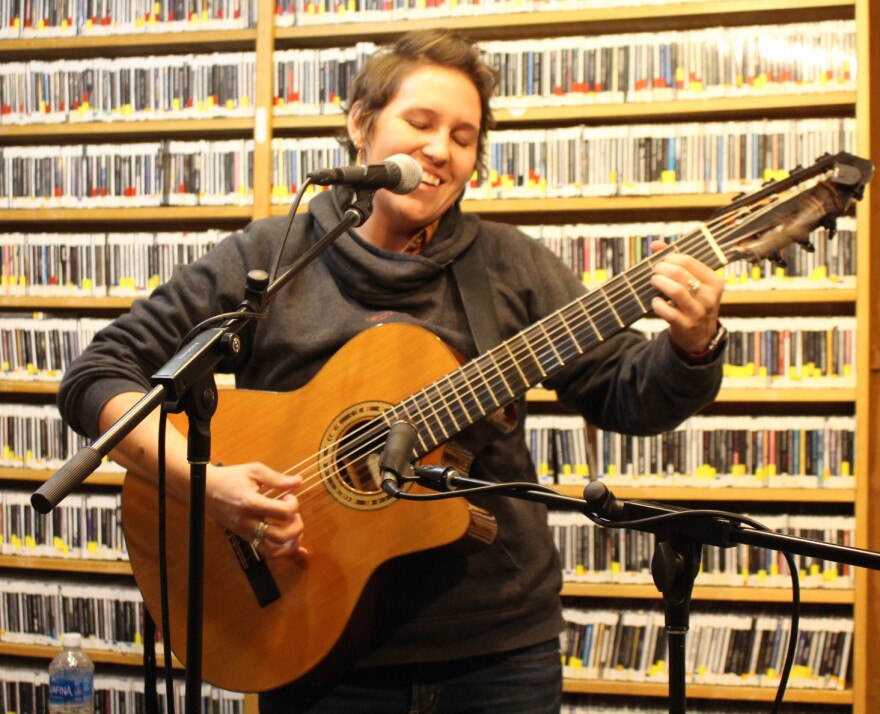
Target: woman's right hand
(243, 497)
(238, 497)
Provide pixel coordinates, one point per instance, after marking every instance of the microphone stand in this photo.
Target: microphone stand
(186, 383)
(679, 541)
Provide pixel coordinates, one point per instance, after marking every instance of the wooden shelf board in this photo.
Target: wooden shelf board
(15, 386)
(104, 567)
(827, 102)
(665, 493)
(772, 395)
(305, 122)
(152, 42)
(489, 207)
(143, 213)
(66, 302)
(690, 493)
(600, 204)
(590, 21)
(99, 478)
(731, 297)
(103, 656)
(705, 691)
(788, 297)
(765, 396)
(836, 103)
(710, 593)
(755, 395)
(689, 201)
(133, 128)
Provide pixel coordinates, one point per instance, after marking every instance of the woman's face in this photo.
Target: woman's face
(435, 118)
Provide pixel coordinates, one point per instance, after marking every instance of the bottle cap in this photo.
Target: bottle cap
(71, 639)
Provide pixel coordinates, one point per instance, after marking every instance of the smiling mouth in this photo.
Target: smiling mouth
(430, 180)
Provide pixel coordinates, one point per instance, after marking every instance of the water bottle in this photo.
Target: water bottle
(71, 678)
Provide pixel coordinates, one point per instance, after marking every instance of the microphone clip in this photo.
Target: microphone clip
(361, 208)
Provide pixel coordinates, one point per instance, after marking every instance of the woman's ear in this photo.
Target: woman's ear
(353, 125)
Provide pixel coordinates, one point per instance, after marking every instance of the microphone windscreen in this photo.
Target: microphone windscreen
(410, 173)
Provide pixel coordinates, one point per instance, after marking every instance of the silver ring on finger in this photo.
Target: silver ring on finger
(693, 286)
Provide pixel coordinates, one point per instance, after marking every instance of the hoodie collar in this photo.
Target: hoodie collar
(370, 274)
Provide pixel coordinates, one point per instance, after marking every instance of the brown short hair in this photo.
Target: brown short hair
(380, 78)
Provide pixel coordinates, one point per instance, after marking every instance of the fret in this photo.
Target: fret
(580, 304)
(432, 404)
(488, 391)
(537, 360)
(574, 340)
(448, 406)
(519, 364)
(713, 244)
(542, 326)
(421, 417)
(481, 409)
(493, 375)
(604, 294)
(516, 364)
(634, 292)
(410, 419)
(458, 397)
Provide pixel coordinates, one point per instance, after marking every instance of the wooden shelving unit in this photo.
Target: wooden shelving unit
(862, 104)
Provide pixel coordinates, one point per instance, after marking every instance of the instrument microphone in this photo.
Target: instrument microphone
(400, 174)
(395, 464)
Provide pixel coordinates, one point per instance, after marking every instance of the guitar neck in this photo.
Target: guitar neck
(506, 372)
(755, 227)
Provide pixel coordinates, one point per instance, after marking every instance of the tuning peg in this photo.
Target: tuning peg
(807, 246)
(830, 224)
(779, 260)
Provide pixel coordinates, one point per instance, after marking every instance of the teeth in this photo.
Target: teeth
(430, 180)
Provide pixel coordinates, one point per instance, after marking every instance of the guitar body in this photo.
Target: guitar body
(350, 528)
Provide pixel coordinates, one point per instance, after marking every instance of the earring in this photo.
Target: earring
(358, 160)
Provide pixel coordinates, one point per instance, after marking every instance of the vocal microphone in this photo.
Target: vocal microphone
(395, 464)
(400, 174)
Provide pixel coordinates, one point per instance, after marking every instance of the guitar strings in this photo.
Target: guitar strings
(602, 318)
(604, 322)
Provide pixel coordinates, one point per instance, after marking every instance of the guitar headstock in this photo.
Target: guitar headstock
(759, 225)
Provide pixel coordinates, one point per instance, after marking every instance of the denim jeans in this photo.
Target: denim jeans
(524, 681)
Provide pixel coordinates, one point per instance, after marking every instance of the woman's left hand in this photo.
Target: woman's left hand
(693, 298)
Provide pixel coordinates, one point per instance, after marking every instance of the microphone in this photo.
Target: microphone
(394, 465)
(400, 174)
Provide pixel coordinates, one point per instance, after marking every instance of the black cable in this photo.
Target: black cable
(519, 486)
(291, 214)
(163, 563)
(222, 317)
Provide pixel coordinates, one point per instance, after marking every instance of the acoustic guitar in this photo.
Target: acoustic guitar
(268, 623)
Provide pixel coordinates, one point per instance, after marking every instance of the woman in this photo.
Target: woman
(470, 632)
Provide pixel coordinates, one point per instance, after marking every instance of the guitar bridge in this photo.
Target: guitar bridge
(256, 570)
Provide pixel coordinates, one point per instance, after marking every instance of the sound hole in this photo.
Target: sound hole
(362, 473)
(350, 454)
